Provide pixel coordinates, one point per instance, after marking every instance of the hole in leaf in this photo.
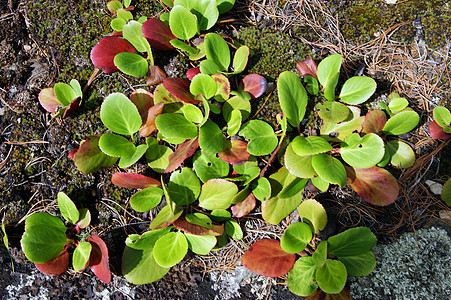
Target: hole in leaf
(209, 164)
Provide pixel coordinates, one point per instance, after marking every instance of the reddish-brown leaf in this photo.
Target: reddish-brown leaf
(182, 152)
(320, 295)
(156, 75)
(254, 84)
(179, 88)
(235, 153)
(158, 34)
(375, 185)
(72, 153)
(89, 158)
(437, 132)
(73, 106)
(192, 72)
(98, 260)
(307, 67)
(56, 265)
(102, 55)
(244, 207)
(133, 181)
(48, 100)
(266, 257)
(143, 100)
(149, 126)
(374, 121)
(186, 226)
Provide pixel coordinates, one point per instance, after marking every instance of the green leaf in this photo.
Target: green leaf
(157, 155)
(331, 278)
(120, 115)
(207, 13)
(233, 230)
(363, 152)
(81, 255)
(402, 155)
(41, 243)
(211, 139)
(220, 215)
(192, 113)
(333, 111)
(343, 129)
(310, 145)
(217, 51)
(329, 89)
(165, 217)
(359, 265)
(76, 87)
(240, 59)
(67, 208)
(132, 32)
(234, 122)
(441, 115)
(146, 199)
(446, 192)
(170, 249)
(302, 277)
(294, 188)
(296, 237)
(236, 103)
(217, 193)
(182, 22)
(354, 241)
(184, 187)
(175, 126)
(85, 218)
(312, 85)
(131, 64)
(207, 166)
(262, 189)
(203, 84)
(125, 162)
(262, 138)
(224, 5)
(300, 166)
(313, 212)
(115, 145)
(320, 254)
(320, 184)
(113, 6)
(397, 104)
(292, 97)
(329, 169)
(199, 219)
(64, 93)
(127, 3)
(357, 90)
(124, 14)
(184, 47)
(328, 68)
(401, 123)
(209, 67)
(200, 244)
(46, 219)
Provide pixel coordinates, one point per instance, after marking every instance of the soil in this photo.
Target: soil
(34, 163)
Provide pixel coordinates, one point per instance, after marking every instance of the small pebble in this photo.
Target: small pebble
(435, 187)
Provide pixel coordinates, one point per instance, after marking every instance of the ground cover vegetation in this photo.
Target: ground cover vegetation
(212, 163)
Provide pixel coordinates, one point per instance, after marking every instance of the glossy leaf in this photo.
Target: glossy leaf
(192, 113)
(170, 249)
(233, 230)
(182, 22)
(55, 266)
(354, 241)
(207, 166)
(46, 219)
(446, 192)
(363, 152)
(375, 185)
(262, 189)
(131, 64)
(64, 93)
(442, 116)
(146, 199)
(200, 244)
(180, 89)
(266, 257)
(299, 166)
(357, 90)
(359, 265)
(81, 255)
(240, 59)
(374, 121)
(320, 254)
(235, 152)
(125, 162)
(191, 228)
(220, 215)
(236, 103)
(217, 51)
(313, 212)
(203, 84)
(85, 218)
(175, 126)
(48, 100)
(244, 207)
(234, 120)
(342, 130)
(114, 5)
(183, 151)
(302, 277)
(310, 145)
(209, 67)
(68, 209)
(333, 111)
(329, 169)
(41, 243)
(296, 237)
(311, 85)
(292, 97)
(211, 139)
(184, 187)
(307, 67)
(401, 123)
(331, 278)
(158, 34)
(117, 24)
(206, 12)
(132, 32)
(165, 217)
(89, 158)
(115, 145)
(397, 104)
(120, 115)
(262, 139)
(224, 5)
(103, 53)
(437, 132)
(254, 84)
(98, 261)
(329, 89)
(320, 184)
(133, 181)
(328, 68)
(217, 193)
(401, 154)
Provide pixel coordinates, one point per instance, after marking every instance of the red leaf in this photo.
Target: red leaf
(192, 72)
(89, 158)
(254, 84)
(133, 181)
(180, 88)
(320, 295)
(184, 225)
(266, 257)
(143, 100)
(73, 106)
(48, 100)
(437, 132)
(158, 34)
(244, 207)
(102, 55)
(157, 75)
(56, 265)
(307, 67)
(98, 260)
(374, 121)
(149, 125)
(235, 153)
(182, 152)
(375, 185)
(72, 153)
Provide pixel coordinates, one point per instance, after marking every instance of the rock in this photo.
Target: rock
(435, 187)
